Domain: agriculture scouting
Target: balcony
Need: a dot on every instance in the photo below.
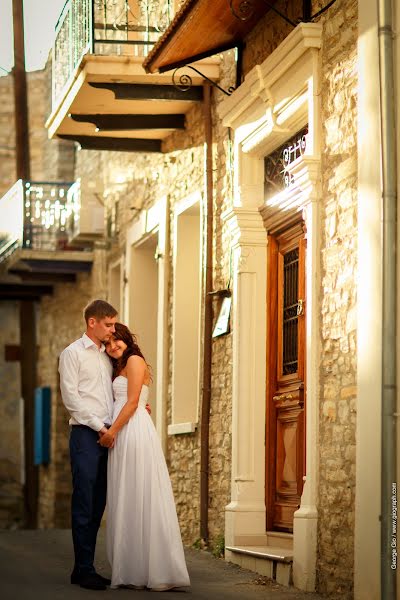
(38, 225)
(102, 97)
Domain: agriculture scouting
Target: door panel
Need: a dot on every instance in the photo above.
(285, 447)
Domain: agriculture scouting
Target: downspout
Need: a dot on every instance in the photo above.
(389, 299)
(208, 316)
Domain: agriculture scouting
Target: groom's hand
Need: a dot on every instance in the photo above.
(107, 440)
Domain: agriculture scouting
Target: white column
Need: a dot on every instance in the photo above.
(245, 515)
(306, 518)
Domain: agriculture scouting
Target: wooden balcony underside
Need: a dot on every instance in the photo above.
(110, 100)
(30, 274)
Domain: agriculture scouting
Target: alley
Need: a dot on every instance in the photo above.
(35, 564)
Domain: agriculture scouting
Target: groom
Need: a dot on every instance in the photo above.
(86, 389)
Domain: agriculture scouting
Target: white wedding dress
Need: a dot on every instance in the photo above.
(144, 545)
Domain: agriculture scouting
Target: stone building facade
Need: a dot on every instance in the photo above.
(292, 78)
(11, 475)
(339, 257)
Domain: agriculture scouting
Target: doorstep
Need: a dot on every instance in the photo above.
(273, 562)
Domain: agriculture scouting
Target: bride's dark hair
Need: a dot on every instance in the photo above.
(132, 348)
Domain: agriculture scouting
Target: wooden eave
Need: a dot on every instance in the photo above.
(12, 291)
(33, 273)
(201, 29)
(111, 103)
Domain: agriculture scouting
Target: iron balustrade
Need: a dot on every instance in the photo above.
(105, 27)
(36, 216)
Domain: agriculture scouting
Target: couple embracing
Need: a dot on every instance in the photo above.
(116, 457)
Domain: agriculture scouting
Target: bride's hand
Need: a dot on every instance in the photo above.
(107, 440)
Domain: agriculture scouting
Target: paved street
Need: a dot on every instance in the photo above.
(36, 565)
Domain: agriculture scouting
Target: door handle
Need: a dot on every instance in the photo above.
(300, 307)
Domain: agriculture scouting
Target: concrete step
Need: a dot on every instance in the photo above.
(273, 562)
(278, 539)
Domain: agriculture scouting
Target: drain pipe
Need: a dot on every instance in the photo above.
(208, 316)
(389, 300)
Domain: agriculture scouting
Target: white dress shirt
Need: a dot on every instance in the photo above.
(86, 386)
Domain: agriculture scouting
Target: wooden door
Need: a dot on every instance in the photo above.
(285, 410)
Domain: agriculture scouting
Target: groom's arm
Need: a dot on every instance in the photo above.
(69, 378)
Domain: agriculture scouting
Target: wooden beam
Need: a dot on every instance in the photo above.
(181, 64)
(44, 267)
(201, 28)
(139, 91)
(133, 122)
(20, 292)
(20, 94)
(89, 142)
(12, 353)
(44, 278)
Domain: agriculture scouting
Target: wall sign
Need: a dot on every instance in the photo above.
(276, 173)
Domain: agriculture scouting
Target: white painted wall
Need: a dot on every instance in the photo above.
(186, 318)
(369, 348)
(143, 306)
(114, 287)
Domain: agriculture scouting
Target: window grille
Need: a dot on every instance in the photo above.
(290, 316)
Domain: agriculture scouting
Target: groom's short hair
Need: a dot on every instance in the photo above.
(99, 309)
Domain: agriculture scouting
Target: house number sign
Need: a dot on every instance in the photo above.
(276, 165)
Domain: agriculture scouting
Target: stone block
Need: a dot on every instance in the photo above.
(248, 562)
(264, 567)
(284, 574)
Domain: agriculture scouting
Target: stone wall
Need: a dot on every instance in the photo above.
(7, 134)
(272, 29)
(50, 160)
(59, 324)
(338, 375)
(11, 443)
(37, 114)
(134, 180)
(44, 157)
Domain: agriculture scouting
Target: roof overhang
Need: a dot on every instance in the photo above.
(201, 29)
(33, 273)
(112, 103)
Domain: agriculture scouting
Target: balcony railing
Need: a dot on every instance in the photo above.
(105, 27)
(36, 216)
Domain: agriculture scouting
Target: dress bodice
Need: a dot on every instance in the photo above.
(120, 389)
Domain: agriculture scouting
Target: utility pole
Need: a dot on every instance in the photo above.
(27, 319)
(20, 94)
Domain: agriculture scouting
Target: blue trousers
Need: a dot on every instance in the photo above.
(89, 483)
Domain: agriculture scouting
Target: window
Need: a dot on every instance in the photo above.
(186, 318)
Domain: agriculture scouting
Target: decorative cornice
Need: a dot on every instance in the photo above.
(257, 90)
(245, 226)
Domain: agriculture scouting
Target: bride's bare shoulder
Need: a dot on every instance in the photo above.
(135, 361)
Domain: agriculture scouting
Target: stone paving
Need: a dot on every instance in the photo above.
(36, 565)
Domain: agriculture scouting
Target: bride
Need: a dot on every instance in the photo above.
(144, 545)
